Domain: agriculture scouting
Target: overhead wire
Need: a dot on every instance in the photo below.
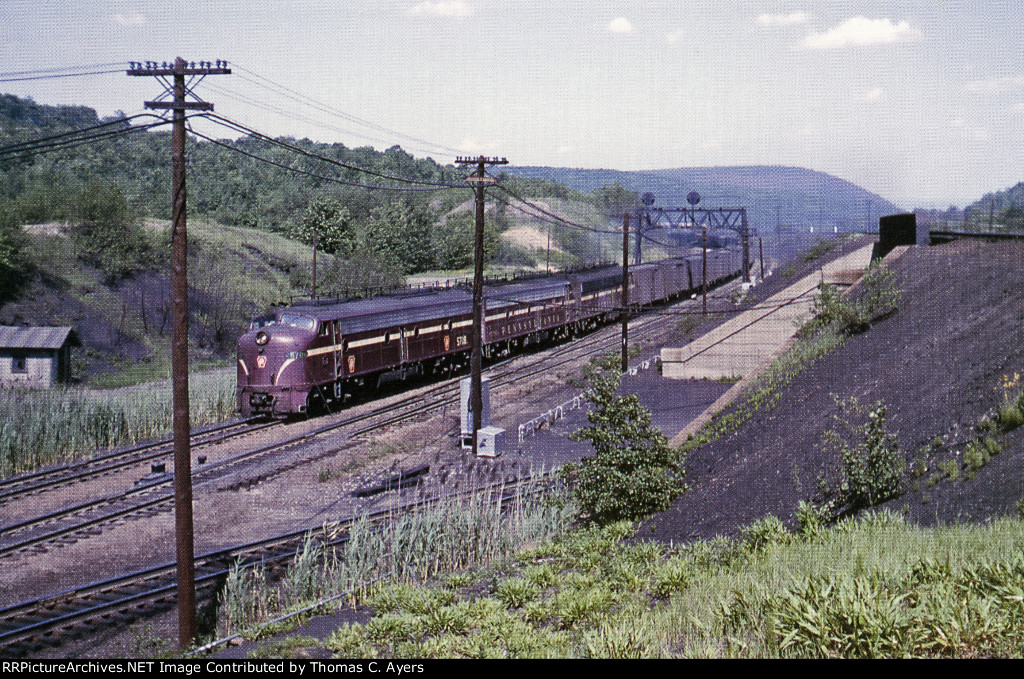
(238, 127)
(554, 219)
(306, 100)
(319, 123)
(48, 73)
(109, 123)
(231, 94)
(30, 149)
(308, 173)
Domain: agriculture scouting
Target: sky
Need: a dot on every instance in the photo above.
(919, 101)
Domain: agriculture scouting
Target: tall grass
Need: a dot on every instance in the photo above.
(40, 428)
(447, 538)
(865, 588)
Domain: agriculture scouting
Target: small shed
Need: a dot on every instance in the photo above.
(33, 356)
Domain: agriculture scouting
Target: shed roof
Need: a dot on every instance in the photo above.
(35, 337)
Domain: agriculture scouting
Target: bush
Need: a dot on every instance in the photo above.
(633, 472)
(878, 296)
(872, 462)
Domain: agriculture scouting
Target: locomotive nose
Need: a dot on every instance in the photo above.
(262, 338)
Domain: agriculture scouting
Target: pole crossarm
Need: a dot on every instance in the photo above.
(179, 70)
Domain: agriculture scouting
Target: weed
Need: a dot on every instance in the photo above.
(765, 532)
(810, 519)
(951, 468)
(1010, 417)
(146, 643)
(516, 592)
(872, 462)
(879, 297)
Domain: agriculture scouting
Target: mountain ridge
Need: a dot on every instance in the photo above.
(777, 197)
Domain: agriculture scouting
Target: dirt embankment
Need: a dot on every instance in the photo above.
(937, 364)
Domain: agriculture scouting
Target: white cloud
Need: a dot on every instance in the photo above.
(134, 19)
(996, 84)
(873, 94)
(454, 8)
(784, 19)
(676, 36)
(861, 31)
(620, 25)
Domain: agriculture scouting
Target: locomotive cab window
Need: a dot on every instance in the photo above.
(298, 321)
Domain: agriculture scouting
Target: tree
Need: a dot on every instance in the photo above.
(107, 232)
(1013, 217)
(328, 224)
(401, 231)
(633, 472)
(615, 198)
(364, 271)
(12, 260)
(452, 242)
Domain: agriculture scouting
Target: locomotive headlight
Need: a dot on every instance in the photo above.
(262, 338)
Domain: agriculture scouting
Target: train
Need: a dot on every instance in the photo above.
(319, 353)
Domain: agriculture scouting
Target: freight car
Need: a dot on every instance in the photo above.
(323, 352)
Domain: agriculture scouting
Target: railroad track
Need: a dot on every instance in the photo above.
(54, 478)
(47, 621)
(154, 494)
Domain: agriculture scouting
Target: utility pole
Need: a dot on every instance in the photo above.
(704, 267)
(179, 343)
(625, 292)
(479, 181)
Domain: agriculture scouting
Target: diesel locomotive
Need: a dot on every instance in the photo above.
(325, 351)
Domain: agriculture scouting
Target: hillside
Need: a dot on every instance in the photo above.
(124, 325)
(778, 199)
(940, 365)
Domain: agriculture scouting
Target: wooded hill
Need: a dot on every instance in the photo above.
(84, 229)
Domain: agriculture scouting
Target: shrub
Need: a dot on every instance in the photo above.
(633, 472)
(764, 532)
(872, 462)
(878, 296)
(1010, 417)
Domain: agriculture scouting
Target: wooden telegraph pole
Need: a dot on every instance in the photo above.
(179, 352)
(479, 181)
(625, 292)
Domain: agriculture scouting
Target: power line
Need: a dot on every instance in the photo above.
(294, 95)
(305, 119)
(307, 173)
(557, 219)
(238, 127)
(63, 75)
(319, 123)
(29, 150)
(119, 121)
